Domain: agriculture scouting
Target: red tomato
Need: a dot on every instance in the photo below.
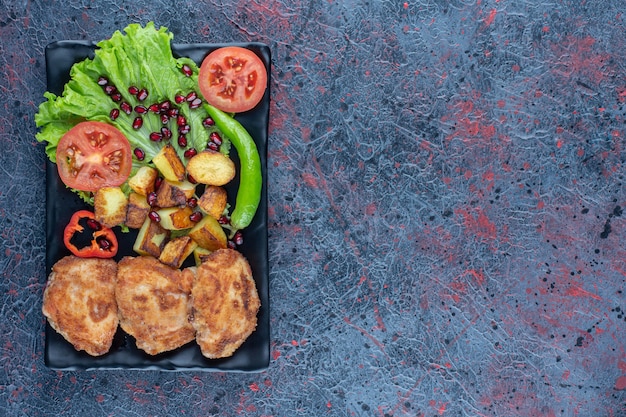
(233, 79)
(92, 155)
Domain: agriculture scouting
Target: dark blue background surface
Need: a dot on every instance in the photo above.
(446, 195)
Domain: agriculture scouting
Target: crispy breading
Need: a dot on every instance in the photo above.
(79, 302)
(225, 303)
(153, 304)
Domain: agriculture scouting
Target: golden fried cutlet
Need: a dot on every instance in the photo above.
(79, 302)
(153, 303)
(225, 303)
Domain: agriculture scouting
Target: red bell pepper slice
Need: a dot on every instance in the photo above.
(103, 242)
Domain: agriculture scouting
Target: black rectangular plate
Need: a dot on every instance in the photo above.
(61, 203)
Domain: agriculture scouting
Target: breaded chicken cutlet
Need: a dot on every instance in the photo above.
(153, 303)
(225, 303)
(79, 302)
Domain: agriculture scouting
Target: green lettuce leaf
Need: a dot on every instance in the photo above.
(140, 57)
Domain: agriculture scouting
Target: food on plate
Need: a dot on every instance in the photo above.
(79, 302)
(85, 237)
(151, 238)
(250, 178)
(92, 155)
(144, 180)
(137, 212)
(211, 167)
(225, 303)
(110, 205)
(153, 304)
(169, 164)
(213, 201)
(177, 250)
(209, 234)
(174, 193)
(233, 79)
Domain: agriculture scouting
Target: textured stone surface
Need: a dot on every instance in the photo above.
(446, 192)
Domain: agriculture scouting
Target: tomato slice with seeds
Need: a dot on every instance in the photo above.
(233, 79)
(92, 155)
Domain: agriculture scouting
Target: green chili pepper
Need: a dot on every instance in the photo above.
(250, 178)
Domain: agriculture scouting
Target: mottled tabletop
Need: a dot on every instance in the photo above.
(445, 202)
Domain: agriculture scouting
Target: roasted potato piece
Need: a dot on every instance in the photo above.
(151, 239)
(177, 250)
(169, 164)
(213, 201)
(110, 206)
(137, 210)
(174, 193)
(208, 233)
(176, 218)
(200, 254)
(212, 168)
(143, 181)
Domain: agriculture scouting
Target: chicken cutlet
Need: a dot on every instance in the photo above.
(79, 302)
(225, 303)
(153, 303)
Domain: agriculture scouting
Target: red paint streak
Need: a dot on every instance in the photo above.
(254, 387)
(366, 334)
(309, 180)
(492, 15)
(478, 224)
(579, 292)
(620, 384)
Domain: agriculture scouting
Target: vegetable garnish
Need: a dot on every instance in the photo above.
(87, 238)
(92, 155)
(250, 182)
(134, 83)
(233, 79)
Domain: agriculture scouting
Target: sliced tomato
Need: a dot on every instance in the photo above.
(93, 155)
(233, 79)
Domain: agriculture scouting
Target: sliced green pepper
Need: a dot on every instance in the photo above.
(250, 178)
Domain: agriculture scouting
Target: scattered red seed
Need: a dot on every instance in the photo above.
(114, 114)
(139, 154)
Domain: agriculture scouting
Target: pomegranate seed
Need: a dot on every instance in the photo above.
(181, 120)
(139, 154)
(109, 89)
(154, 108)
(191, 96)
(167, 134)
(212, 146)
(158, 182)
(137, 123)
(154, 216)
(195, 103)
(142, 94)
(165, 105)
(103, 243)
(93, 224)
(155, 136)
(126, 108)
(179, 98)
(183, 130)
(208, 122)
(141, 109)
(182, 141)
(133, 90)
(192, 202)
(191, 179)
(151, 198)
(164, 118)
(114, 114)
(172, 113)
(186, 69)
(223, 220)
(103, 81)
(216, 138)
(190, 152)
(231, 245)
(116, 97)
(196, 216)
(238, 238)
